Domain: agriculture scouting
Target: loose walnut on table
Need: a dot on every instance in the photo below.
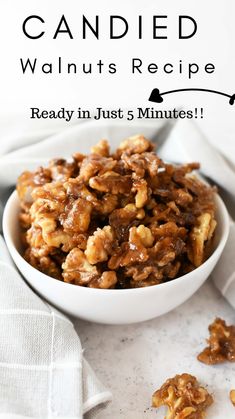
(184, 398)
(221, 344)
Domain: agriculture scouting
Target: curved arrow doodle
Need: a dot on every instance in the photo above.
(156, 96)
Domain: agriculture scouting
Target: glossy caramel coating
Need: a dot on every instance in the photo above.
(117, 220)
(184, 398)
(221, 344)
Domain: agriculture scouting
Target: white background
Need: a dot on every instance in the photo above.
(214, 42)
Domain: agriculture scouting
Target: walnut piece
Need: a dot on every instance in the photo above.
(136, 144)
(61, 170)
(184, 397)
(107, 280)
(101, 148)
(111, 182)
(140, 186)
(78, 216)
(28, 181)
(99, 245)
(141, 164)
(202, 232)
(232, 397)
(77, 269)
(221, 344)
(95, 163)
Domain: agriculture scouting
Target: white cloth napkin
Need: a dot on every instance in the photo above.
(42, 371)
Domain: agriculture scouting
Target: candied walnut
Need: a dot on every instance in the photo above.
(72, 240)
(51, 191)
(42, 176)
(140, 186)
(75, 189)
(77, 216)
(182, 197)
(28, 181)
(221, 344)
(171, 270)
(122, 219)
(106, 204)
(184, 398)
(77, 269)
(136, 144)
(45, 211)
(164, 251)
(111, 182)
(56, 238)
(179, 196)
(47, 222)
(168, 214)
(61, 170)
(44, 214)
(150, 273)
(232, 397)
(44, 264)
(160, 266)
(66, 241)
(139, 213)
(141, 164)
(144, 273)
(101, 148)
(94, 164)
(45, 231)
(107, 280)
(78, 158)
(131, 251)
(169, 229)
(145, 235)
(25, 186)
(180, 172)
(35, 239)
(202, 232)
(100, 245)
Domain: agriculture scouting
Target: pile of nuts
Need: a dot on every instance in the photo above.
(118, 220)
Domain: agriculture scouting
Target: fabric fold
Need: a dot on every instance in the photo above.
(43, 373)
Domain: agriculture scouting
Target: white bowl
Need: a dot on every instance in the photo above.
(113, 306)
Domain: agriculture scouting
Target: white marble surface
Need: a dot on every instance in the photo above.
(134, 360)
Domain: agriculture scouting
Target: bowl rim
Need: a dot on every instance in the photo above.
(12, 249)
